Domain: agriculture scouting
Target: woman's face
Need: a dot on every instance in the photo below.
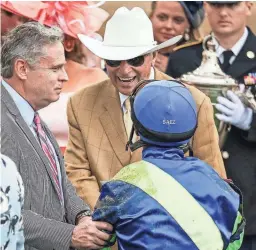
(169, 20)
(80, 54)
(89, 59)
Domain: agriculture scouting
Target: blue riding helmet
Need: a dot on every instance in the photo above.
(164, 114)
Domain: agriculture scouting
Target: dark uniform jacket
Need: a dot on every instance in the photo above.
(240, 145)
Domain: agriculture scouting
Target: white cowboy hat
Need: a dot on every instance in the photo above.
(128, 34)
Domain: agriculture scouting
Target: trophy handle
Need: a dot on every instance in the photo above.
(223, 130)
(205, 42)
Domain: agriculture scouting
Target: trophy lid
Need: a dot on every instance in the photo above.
(209, 72)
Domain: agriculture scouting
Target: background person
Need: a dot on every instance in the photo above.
(171, 19)
(82, 66)
(33, 75)
(98, 115)
(11, 204)
(148, 201)
(9, 21)
(237, 56)
(228, 24)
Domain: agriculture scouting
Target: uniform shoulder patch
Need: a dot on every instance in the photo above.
(185, 45)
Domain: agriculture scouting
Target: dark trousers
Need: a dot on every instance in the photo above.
(249, 243)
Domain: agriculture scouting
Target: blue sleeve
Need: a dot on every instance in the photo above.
(108, 205)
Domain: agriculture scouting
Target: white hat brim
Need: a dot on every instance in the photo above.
(122, 53)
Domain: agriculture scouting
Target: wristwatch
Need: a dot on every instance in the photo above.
(82, 214)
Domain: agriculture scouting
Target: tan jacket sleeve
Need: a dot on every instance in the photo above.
(205, 141)
(77, 164)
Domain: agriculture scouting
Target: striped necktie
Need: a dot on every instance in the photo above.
(128, 120)
(48, 152)
(127, 117)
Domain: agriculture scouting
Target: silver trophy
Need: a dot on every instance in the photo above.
(211, 80)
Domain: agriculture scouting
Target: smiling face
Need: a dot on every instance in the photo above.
(125, 77)
(45, 80)
(169, 20)
(228, 19)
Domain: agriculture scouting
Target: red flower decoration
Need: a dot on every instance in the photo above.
(73, 17)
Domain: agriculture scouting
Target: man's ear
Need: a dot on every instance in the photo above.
(69, 44)
(206, 6)
(21, 69)
(154, 54)
(249, 6)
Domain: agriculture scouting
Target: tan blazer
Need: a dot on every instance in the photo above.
(97, 137)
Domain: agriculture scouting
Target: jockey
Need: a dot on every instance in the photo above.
(167, 200)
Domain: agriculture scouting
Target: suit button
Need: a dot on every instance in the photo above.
(225, 155)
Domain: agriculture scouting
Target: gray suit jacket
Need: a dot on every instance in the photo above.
(47, 223)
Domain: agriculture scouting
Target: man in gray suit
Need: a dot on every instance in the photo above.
(33, 75)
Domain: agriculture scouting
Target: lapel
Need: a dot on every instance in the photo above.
(161, 76)
(11, 106)
(60, 158)
(55, 145)
(199, 56)
(113, 124)
(243, 63)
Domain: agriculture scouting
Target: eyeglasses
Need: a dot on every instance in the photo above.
(135, 62)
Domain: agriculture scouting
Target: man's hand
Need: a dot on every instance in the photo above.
(89, 234)
(233, 111)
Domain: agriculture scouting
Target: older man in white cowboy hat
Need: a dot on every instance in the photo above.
(99, 115)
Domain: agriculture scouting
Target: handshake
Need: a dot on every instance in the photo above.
(90, 234)
(233, 111)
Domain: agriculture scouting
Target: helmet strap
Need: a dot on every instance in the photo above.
(140, 143)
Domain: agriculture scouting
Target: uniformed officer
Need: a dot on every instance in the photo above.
(173, 18)
(237, 37)
(236, 50)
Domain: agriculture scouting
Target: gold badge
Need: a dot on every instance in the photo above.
(250, 54)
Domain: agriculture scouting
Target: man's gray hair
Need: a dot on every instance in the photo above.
(27, 42)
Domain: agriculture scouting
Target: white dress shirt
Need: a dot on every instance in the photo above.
(235, 49)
